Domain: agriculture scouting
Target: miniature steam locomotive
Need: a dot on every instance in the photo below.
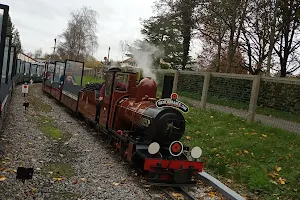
(146, 131)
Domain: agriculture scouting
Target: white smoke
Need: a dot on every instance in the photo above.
(144, 56)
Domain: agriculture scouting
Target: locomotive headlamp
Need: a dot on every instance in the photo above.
(176, 148)
(196, 152)
(153, 148)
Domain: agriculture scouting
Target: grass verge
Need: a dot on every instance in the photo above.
(262, 159)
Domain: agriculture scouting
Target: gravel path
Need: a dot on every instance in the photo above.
(70, 161)
(271, 121)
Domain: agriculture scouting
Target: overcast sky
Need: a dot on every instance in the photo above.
(40, 21)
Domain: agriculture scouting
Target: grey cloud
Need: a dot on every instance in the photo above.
(40, 21)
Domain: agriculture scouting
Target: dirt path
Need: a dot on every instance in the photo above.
(271, 121)
(69, 160)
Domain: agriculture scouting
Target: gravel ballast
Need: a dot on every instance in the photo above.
(70, 161)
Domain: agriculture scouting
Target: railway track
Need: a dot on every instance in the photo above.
(177, 193)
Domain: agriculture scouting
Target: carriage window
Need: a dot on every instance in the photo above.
(121, 82)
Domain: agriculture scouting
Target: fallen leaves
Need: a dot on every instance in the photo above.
(2, 178)
(281, 181)
(212, 194)
(176, 194)
(274, 176)
(58, 179)
(188, 137)
(278, 168)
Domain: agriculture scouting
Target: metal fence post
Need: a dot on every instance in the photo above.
(254, 98)
(205, 90)
(175, 81)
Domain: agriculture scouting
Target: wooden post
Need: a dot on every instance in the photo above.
(254, 98)
(175, 82)
(205, 90)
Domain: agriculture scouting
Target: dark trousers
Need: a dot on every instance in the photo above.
(98, 109)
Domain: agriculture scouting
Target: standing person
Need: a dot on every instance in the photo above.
(99, 104)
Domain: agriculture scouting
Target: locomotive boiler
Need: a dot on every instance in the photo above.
(154, 124)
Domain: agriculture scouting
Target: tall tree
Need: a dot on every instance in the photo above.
(164, 32)
(289, 29)
(211, 29)
(183, 12)
(10, 26)
(79, 40)
(186, 10)
(17, 41)
(255, 39)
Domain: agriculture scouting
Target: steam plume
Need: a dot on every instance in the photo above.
(144, 56)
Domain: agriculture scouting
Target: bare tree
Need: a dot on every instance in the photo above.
(211, 29)
(288, 43)
(38, 53)
(79, 40)
(124, 48)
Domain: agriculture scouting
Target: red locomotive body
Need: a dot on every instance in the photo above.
(145, 132)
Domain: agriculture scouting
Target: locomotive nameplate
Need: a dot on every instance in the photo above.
(172, 102)
(145, 122)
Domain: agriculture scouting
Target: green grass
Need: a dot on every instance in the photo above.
(244, 106)
(48, 126)
(246, 153)
(59, 170)
(88, 79)
(37, 104)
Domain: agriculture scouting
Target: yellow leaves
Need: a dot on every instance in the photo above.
(121, 182)
(188, 137)
(58, 179)
(33, 190)
(83, 179)
(176, 195)
(239, 153)
(263, 136)
(229, 181)
(2, 178)
(281, 181)
(241, 129)
(278, 168)
(273, 174)
(243, 152)
(212, 194)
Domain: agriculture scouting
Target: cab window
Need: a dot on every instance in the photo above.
(121, 82)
